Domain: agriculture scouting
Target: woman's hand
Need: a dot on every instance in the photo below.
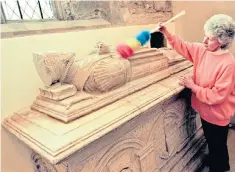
(187, 81)
(162, 28)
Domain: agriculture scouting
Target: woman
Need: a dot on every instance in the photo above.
(212, 84)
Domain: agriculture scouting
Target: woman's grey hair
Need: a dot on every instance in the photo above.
(222, 27)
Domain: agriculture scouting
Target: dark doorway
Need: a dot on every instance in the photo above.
(157, 40)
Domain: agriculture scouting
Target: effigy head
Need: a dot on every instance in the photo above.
(53, 67)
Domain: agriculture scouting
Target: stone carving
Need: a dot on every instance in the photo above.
(102, 71)
(123, 156)
(41, 165)
(130, 135)
(130, 153)
(139, 150)
(121, 115)
(100, 78)
(173, 122)
(132, 119)
(179, 123)
(86, 166)
(101, 48)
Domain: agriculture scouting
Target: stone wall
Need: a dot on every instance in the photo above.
(116, 12)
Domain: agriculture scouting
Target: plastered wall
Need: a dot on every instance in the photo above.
(190, 26)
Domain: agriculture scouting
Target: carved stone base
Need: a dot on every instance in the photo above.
(163, 138)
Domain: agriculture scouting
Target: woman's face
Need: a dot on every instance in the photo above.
(211, 43)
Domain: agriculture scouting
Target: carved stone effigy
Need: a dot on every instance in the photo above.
(91, 76)
(134, 121)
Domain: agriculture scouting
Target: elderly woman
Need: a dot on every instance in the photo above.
(212, 84)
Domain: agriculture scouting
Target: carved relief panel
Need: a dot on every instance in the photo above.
(159, 134)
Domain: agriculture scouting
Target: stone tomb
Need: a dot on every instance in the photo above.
(102, 113)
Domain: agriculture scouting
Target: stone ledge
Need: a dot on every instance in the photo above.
(10, 30)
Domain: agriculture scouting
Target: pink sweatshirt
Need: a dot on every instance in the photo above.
(214, 75)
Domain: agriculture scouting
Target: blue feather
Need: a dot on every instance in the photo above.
(143, 37)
